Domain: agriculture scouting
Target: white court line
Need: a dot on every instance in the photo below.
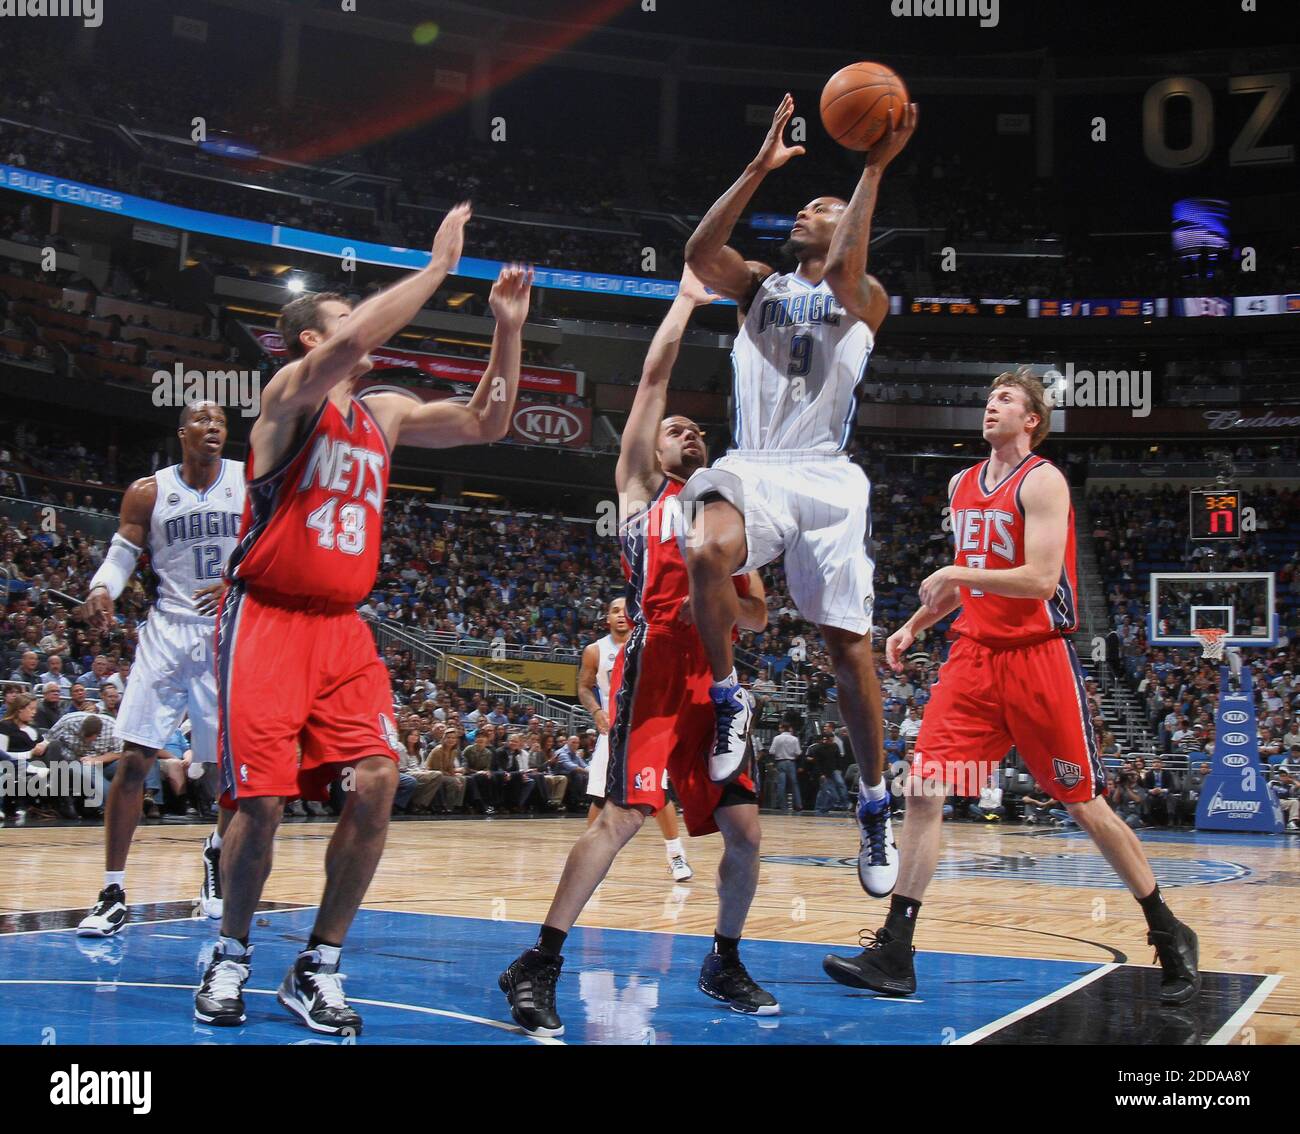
(1029, 1009)
(1248, 1009)
(137, 924)
(549, 1040)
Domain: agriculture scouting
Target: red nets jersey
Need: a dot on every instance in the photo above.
(657, 583)
(312, 525)
(988, 526)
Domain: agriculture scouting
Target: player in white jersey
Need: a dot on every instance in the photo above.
(188, 517)
(593, 692)
(787, 487)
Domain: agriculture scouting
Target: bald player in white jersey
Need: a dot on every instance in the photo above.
(593, 692)
(787, 487)
(187, 516)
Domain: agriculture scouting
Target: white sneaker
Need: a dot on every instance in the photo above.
(109, 915)
(733, 707)
(680, 869)
(877, 851)
(210, 902)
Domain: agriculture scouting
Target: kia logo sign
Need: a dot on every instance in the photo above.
(1236, 760)
(547, 425)
(1235, 716)
(1236, 739)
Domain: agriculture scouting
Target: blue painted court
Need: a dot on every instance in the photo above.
(421, 979)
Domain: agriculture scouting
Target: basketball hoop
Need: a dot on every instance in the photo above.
(1211, 643)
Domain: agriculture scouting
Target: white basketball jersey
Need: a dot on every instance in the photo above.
(608, 649)
(192, 534)
(796, 365)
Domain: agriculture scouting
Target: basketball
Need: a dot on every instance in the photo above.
(859, 101)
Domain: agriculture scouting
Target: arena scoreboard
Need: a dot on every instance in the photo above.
(1216, 514)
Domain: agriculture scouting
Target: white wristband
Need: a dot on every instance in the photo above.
(117, 567)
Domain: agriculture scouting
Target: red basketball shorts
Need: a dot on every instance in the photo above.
(300, 691)
(663, 720)
(985, 700)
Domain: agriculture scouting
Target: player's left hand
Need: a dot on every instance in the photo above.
(691, 288)
(510, 295)
(939, 590)
(206, 598)
(894, 138)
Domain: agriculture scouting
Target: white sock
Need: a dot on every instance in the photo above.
(673, 848)
(872, 792)
(114, 878)
(232, 947)
(329, 954)
(214, 840)
(728, 681)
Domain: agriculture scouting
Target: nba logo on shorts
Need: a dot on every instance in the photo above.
(1067, 774)
(243, 773)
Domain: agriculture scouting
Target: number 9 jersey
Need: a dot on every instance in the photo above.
(313, 524)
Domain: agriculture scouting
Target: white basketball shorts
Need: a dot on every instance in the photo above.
(815, 509)
(174, 672)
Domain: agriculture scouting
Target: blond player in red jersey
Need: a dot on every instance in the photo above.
(302, 695)
(1011, 678)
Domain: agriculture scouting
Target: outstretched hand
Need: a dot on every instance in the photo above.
(510, 295)
(449, 240)
(894, 138)
(774, 152)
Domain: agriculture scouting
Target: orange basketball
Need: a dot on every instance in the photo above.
(859, 101)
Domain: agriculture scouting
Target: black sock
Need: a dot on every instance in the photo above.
(902, 917)
(726, 946)
(550, 941)
(315, 942)
(1159, 916)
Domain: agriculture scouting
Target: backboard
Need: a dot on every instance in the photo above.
(1242, 603)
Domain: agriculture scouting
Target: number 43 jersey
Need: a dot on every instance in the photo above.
(192, 534)
(312, 525)
(796, 365)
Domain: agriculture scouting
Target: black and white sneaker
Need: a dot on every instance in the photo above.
(727, 979)
(313, 991)
(109, 915)
(680, 869)
(885, 965)
(210, 903)
(1179, 956)
(877, 851)
(220, 998)
(733, 710)
(529, 984)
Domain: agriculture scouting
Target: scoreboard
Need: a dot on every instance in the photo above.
(1216, 514)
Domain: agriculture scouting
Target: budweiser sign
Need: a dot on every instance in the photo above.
(1234, 419)
(448, 367)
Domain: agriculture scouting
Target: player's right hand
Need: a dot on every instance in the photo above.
(894, 138)
(900, 640)
(449, 240)
(774, 153)
(693, 289)
(97, 610)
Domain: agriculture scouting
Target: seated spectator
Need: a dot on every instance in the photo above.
(56, 675)
(480, 788)
(22, 754)
(28, 671)
(1128, 800)
(444, 758)
(1159, 784)
(51, 707)
(568, 761)
(990, 806)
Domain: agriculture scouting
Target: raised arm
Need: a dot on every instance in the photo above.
(123, 552)
(486, 418)
(638, 467)
(859, 294)
(708, 254)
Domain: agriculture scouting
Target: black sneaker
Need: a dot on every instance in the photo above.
(529, 984)
(884, 966)
(726, 979)
(1178, 953)
(313, 991)
(210, 903)
(109, 915)
(220, 998)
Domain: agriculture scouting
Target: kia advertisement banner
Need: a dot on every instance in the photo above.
(533, 422)
(1235, 796)
(448, 367)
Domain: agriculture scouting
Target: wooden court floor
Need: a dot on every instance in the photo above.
(1003, 890)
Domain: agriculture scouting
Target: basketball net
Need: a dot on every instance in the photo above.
(1211, 643)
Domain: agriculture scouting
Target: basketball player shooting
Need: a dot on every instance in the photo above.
(593, 692)
(663, 719)
(188, 517)
(1011, 678)
(297, 668)
(788, 487)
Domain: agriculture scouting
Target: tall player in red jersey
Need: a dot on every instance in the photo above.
(1011, 678)
(662, 715)
(302, 695)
